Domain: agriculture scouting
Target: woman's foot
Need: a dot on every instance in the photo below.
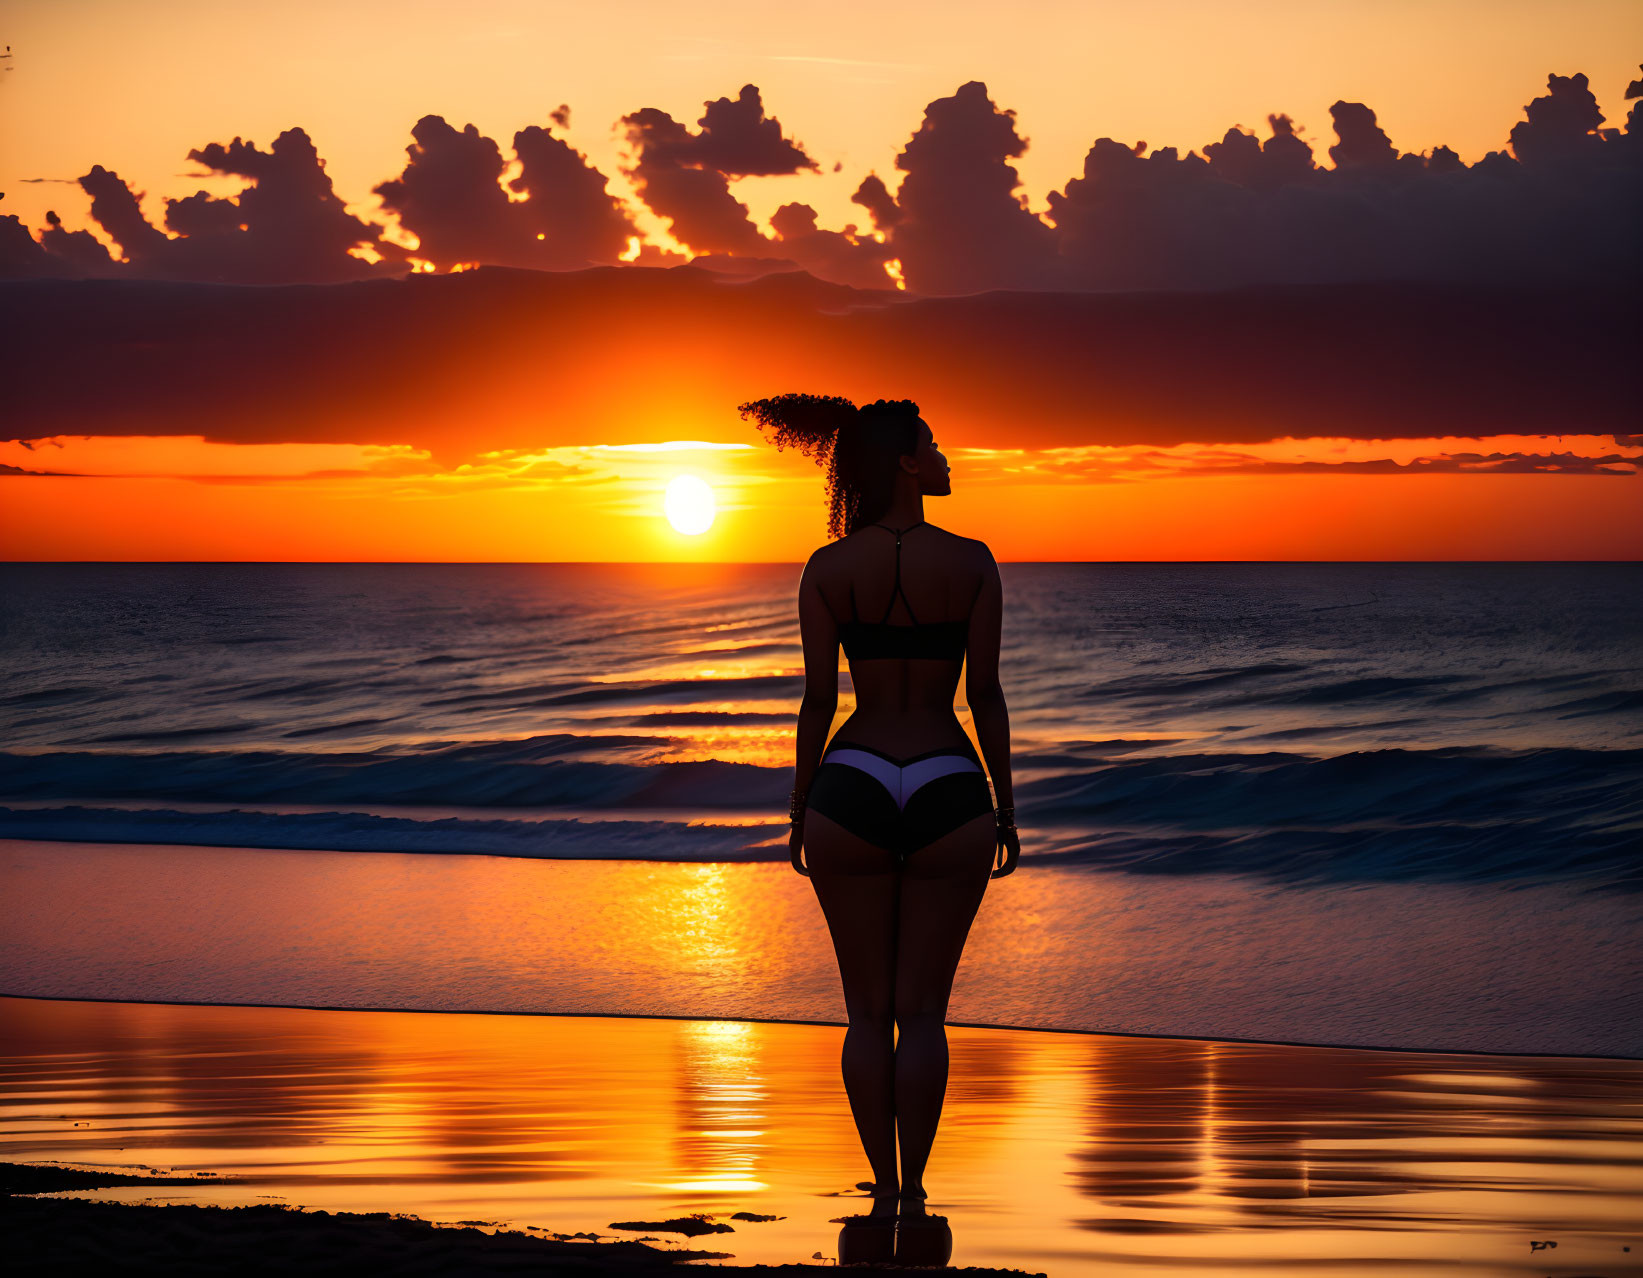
(911, 1200)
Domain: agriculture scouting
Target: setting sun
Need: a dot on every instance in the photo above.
(689, 505)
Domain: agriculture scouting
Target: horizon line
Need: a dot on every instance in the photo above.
(746, 563)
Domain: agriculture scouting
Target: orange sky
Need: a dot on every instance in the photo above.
(495, 472)
(172, 499)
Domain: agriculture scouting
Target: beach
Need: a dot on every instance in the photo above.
(460, 893)
(508, 612)
(1070, 1154)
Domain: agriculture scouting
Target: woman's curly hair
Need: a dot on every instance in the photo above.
(857, 448)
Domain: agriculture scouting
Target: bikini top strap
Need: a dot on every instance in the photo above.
(897, 590)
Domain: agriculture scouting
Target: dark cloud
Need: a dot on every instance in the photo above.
(1079, 469)
(1564, 463)
(684, 177)
(696, 203)
(55, 474)
(1362, 144)
(450, 195)
(501, 358)
(1558, 204)
(737, 140)
(81, 250)
(744, 266)
(844, 257)
(1563, 123)
(1244, 160)
(1565, 207)
(875, 197)
(959, 225)
(287, 226)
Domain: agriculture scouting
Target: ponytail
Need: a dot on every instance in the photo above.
(857, 448)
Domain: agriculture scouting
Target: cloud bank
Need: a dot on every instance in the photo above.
(1558, 204)
(501, 358)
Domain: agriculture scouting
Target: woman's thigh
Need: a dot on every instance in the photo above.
(856, 884)
(942, 886)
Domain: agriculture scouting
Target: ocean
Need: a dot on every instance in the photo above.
(1458, 744)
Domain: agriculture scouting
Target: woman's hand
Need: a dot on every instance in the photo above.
(795, 846)
(1010, 840)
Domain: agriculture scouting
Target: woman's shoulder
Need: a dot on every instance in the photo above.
(824, 562)
(973, 547)
(838, 556)
(824, 554)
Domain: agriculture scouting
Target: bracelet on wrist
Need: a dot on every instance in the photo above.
(1006, 817)
(795, 805)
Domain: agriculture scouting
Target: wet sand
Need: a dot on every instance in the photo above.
(1429, 966)
(1064, 1154)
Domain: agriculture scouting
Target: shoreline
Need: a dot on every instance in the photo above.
(779, 1020)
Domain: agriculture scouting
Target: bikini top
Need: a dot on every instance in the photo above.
(863, 640)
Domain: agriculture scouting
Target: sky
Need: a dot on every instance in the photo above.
(1359, 344)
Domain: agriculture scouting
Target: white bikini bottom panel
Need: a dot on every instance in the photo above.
(902, 783)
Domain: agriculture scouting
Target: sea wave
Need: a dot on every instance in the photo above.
(531, 773)
(1396, 814)
(568, 839)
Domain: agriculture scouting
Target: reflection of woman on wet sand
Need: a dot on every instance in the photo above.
(894, 823)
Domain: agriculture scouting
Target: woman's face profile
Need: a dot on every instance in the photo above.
(934, 475)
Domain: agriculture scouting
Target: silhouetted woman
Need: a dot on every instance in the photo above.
(894, 824)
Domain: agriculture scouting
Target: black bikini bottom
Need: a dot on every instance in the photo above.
(899, 804)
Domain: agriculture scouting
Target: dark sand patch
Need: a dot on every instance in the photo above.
(24, 1178)
(699, 1223)
(68, 1235)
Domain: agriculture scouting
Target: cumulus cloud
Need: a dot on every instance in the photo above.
(79, 252)
(959, 223)
(1564, 206)
(451, 197)
(844, 257)
(1558, 204)
(684, 177)
(875, 197)
(287, 226)
(1362, 144)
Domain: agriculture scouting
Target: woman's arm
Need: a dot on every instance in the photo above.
(819, 634)
(985, 696)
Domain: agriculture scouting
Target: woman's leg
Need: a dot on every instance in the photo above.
(856, 885)
(942, 885)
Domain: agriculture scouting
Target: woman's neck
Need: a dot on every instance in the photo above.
(905, 509)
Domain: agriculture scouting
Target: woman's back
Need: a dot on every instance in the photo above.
(902, 601)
